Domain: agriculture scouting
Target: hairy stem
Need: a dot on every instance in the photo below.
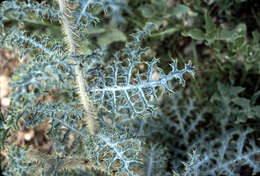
(71, 39)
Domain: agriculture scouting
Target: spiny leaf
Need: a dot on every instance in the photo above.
(124, 90)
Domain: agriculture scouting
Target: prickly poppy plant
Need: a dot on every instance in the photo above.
(111, 113)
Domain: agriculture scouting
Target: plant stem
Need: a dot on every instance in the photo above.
(68, 27)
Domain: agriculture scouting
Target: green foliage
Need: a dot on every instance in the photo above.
(226, 101)
(235, 37)
(3, 129)
(19, 163)
(208, 146)
(106, 65)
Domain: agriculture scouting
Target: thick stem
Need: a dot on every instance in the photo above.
(67, 22)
